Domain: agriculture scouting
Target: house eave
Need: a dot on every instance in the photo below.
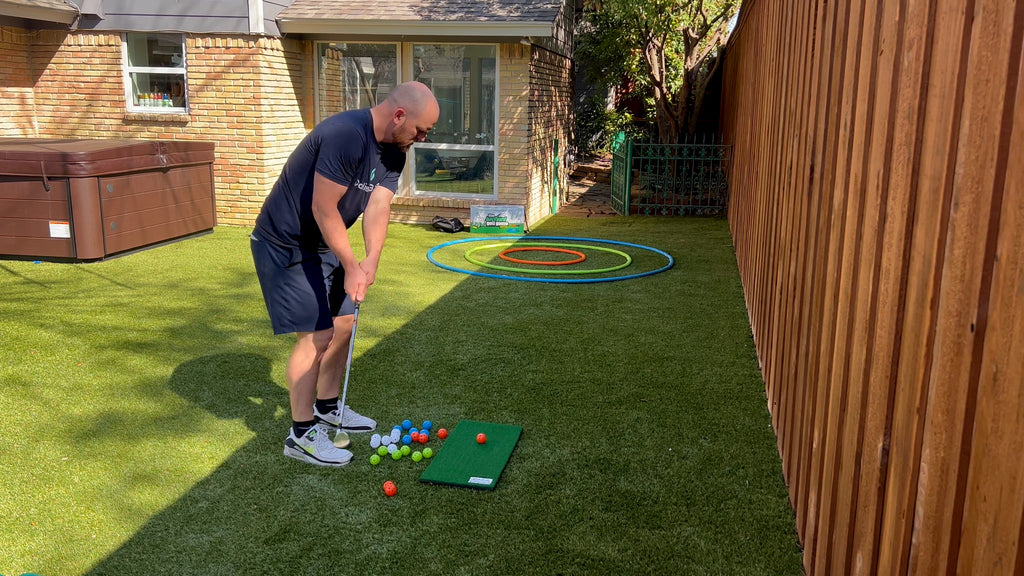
(491, 31)
(41, 13)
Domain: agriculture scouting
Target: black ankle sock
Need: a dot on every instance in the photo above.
(325, 405)
(300, 428)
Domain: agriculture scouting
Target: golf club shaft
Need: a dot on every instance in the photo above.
(348, 367)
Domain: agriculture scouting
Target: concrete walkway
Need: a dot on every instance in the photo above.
(589, 194)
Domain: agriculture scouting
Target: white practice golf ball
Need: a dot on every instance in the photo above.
(392, 448)
(375, 441)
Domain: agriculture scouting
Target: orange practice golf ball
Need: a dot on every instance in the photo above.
(390, 489)
(481, 438)
(442, 433)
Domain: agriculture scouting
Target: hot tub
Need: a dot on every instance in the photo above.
(89, 199)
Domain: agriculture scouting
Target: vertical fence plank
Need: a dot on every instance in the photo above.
(810, 174)
(835, 205)
(872, 343)
(820, 173)
(906, 106)
(942, 96)
(796, 346)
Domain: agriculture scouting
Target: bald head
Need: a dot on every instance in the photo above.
(406, 115)
(414, 97)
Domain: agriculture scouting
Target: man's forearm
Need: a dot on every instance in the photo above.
(375, 224)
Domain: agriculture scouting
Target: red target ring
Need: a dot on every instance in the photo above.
(580, 256)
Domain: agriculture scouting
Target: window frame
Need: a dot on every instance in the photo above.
(128, 70)
(407, 184)
(317, 104)
(410, 170)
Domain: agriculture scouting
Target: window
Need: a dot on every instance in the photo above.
(155, 72)
(353, 76)
(458, 158)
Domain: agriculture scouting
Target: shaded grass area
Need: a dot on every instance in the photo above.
(145, 413)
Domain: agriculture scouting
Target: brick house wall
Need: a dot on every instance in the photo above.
(17, 96)
(551, 123)
(253, 97)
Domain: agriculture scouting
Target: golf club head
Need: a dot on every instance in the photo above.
(341, 439)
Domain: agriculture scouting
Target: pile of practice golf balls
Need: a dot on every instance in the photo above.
(404, 440)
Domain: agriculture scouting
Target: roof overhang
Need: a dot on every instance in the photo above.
(45, 11)
(412, 30)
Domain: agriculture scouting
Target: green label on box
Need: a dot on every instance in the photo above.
(494, 219)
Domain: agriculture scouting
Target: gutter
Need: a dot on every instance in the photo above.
(62, 15)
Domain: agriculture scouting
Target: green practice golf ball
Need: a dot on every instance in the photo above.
(428, 452)
(383, 450)
(375, 459)
(406, 450)
(396, 455)
(417, 456)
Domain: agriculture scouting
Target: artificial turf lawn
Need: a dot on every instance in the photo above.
(144, 415)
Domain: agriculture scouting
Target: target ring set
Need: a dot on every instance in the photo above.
(557, 271)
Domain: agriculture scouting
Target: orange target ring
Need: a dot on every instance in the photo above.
(580, 256)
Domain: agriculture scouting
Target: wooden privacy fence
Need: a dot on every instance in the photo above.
(877, 211)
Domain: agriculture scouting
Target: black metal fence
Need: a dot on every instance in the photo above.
(688, 178)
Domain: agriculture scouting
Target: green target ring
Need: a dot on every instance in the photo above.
(627, 259)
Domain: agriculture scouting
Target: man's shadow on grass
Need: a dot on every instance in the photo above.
(257, 509)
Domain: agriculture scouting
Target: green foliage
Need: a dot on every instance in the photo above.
(596, 125)
(665, 48)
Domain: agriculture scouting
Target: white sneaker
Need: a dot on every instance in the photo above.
(315, 447)
(353, 422)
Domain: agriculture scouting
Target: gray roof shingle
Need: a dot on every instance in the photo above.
(425, 10)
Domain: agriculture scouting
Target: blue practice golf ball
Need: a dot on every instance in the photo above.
(406, 424)
(407, 439)
(427, 424)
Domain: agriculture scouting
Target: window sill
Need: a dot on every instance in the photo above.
(433, 201)
(170, 117)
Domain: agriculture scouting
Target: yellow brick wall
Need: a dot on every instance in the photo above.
(550, 119)
(16, 88)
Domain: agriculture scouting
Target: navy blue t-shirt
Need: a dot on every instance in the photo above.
(344, 150)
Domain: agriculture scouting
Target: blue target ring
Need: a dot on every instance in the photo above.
(430, 257)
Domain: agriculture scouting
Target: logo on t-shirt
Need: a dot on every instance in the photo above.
(366, 187)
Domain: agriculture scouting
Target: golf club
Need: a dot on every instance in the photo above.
(341, 439)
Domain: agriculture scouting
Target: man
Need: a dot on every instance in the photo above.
(347, 166)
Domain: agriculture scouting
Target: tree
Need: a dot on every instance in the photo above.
(669, 48)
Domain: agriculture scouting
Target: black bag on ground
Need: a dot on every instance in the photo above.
(450, 225)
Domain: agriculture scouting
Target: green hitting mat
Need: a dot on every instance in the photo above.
(462, 461)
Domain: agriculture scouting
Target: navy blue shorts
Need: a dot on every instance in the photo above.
(303, 290)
